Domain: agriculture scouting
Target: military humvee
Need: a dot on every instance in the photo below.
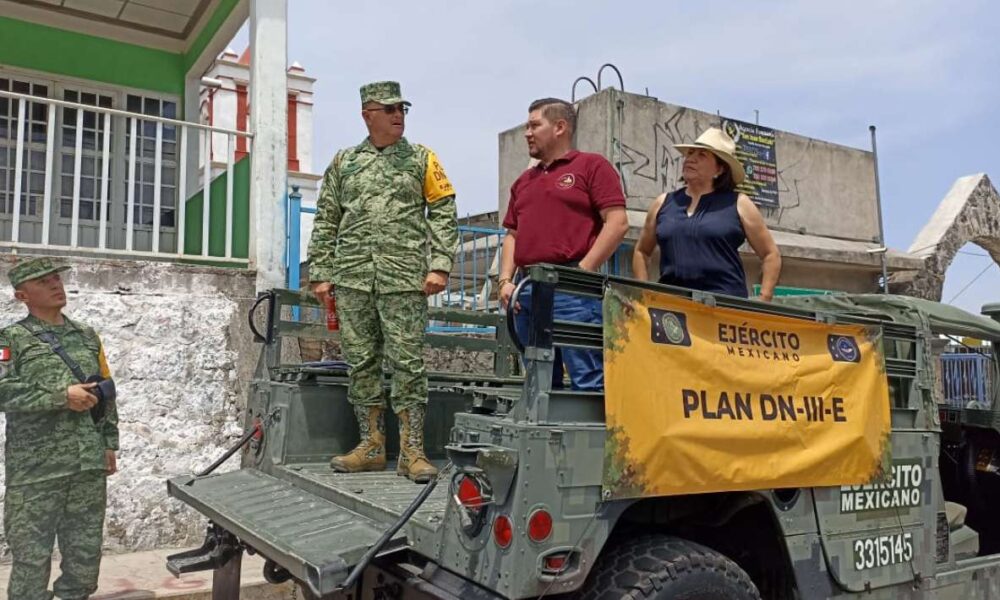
(519, 512)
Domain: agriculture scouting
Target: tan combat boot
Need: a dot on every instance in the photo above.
(369, 455)
(412, 461)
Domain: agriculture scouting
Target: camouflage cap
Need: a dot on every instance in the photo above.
(383, 92)
(33, 269)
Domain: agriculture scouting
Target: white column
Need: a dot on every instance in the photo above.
(180, 208)
(269, 125)
(22, 116)
(191, 152)
(130, 215)
(50, 147)
(77, 165)
(157, 182)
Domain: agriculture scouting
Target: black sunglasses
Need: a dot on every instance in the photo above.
(390, 109)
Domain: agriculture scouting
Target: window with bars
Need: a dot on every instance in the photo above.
(33, 147)
(76, 167)
(91, 154)
(145, 158)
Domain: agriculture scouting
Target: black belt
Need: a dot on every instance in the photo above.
(573, 264)
(520, 274)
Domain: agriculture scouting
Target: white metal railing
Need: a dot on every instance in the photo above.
(124, 153)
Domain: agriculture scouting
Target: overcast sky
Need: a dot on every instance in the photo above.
(927, 74)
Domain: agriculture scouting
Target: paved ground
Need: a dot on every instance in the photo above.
(142, 576)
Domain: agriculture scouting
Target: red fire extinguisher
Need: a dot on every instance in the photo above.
(332, 322)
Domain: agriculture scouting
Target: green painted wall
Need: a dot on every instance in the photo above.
(201, 41)
(51, 50)
(217, 216)
(42, 48)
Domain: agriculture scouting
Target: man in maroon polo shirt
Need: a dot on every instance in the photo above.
(568, 209)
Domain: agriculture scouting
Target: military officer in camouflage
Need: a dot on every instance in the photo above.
(384, 238)
(57, 456)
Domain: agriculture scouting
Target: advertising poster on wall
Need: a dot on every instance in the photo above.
(755, 148)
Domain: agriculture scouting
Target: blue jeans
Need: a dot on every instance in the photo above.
(586, 367)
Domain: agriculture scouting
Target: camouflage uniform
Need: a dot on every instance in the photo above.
(373, 223)
(385, 217)
(55, 457)
(394, 322)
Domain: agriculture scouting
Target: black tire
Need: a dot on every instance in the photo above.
(273, 573)
(662, 567)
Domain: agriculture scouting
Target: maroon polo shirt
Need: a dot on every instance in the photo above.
(556, 210)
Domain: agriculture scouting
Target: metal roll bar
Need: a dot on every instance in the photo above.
(621, 82)
(511, 322)
(578, 80)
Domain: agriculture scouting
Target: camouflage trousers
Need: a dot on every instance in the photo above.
(68, 508)
(374, 326)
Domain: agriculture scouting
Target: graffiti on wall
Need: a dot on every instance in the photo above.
(655, 160)
(660, 164)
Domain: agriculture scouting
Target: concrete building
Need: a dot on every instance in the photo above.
(824, 217)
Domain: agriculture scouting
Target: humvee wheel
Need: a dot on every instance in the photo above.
(662, 567)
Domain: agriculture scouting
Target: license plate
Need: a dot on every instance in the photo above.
(882, 551)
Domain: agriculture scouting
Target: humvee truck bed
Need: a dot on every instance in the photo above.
(519, 512)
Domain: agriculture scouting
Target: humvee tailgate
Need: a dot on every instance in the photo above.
(316, 540)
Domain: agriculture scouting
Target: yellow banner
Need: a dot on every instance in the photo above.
(703, 399)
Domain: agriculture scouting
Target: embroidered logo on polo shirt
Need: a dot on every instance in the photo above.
(566, 181)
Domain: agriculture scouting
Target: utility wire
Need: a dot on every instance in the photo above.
(968, 285)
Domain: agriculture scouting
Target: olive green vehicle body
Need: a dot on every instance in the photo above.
(543, 449)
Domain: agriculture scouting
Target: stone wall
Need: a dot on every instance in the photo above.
(970, 212)
(181, 355)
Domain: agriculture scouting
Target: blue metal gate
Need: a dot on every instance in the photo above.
(967, 378)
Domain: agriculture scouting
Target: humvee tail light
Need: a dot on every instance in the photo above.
(472, 495)
(469, 494)
(555, 563)
(503, 531)
(539, 525)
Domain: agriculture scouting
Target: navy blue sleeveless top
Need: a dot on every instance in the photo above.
(701, 252)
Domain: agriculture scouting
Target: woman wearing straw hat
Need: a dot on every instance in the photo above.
(700, 227)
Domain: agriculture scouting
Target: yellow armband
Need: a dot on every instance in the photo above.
(436, 184)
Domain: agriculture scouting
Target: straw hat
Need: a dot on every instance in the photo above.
(720, 144)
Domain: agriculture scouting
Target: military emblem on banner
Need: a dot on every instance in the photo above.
(669, 327)
(843, 348)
